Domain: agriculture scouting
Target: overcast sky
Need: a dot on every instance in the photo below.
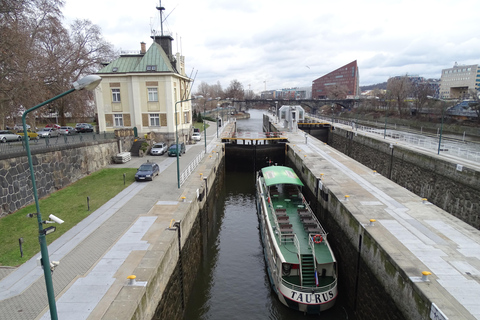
(275, 44)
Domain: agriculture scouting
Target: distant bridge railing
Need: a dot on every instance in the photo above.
(55, 142)
(463, 149)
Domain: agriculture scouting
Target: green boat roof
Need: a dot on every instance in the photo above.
(280, 175)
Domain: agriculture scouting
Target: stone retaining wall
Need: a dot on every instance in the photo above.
(455, 190)
(54, 169)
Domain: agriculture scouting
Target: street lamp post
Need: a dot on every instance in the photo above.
(441, 125)
(176, 137)
(333, 113)
(89, 82)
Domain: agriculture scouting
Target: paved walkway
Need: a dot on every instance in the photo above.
(418, 236)
(97, 255)
(97, 252)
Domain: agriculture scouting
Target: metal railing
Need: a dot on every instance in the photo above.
(296, 287)
(462, 149)
(191, 167)
(48, 143)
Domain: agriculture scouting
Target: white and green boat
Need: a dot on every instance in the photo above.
(300, 262)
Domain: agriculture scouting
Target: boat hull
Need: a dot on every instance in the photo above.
(306, 299)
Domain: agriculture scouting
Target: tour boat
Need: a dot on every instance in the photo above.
(300, 263)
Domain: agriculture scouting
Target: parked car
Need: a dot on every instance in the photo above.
(147, 171)
(196, 136)
(6, 135)
(53, 125)
(18, 127)
(47, 133)
(172, 151)
(66, 130)
(84, 127)
(158, 149)
(30, 133)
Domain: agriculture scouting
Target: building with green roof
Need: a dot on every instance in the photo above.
(140, 90)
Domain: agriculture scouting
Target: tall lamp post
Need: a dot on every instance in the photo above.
(176, 137)
(441, 124)
(89, 82)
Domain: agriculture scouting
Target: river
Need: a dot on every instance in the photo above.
(232, 282)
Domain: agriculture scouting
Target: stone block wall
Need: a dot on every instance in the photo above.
(54, 169)
(425, 174)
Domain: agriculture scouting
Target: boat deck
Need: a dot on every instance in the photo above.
(284, 204)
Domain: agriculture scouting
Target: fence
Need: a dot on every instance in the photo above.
(468, 150)
(49, 143)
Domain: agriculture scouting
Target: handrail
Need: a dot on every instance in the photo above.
(191, 167)
(309, 289)
(429, 142)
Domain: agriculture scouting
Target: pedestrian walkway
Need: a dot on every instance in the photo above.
(417, 235)
(98, 254)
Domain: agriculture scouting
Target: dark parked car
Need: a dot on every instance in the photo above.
(84, 127)
(147, 171)
(172, 151)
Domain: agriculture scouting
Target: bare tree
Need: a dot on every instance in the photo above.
(39, 58)
(71, 55)
(421, 93)
(398, 89)
(235, 90)
(336, 92)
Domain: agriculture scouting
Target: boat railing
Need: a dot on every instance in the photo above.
(296, 287)
(323, 233)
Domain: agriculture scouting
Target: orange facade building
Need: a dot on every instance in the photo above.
(339, 84)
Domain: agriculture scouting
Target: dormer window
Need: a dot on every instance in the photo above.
(115, 69)
(151, 68)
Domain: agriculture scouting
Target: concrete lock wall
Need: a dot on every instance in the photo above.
(170, 275)
(454, 189)
(54, 169)
(374, 286)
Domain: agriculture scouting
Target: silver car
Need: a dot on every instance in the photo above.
(6, 135)
(158, 149)
(67, 130)
(47, 133)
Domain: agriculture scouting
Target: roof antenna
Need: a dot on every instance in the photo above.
(160, 8)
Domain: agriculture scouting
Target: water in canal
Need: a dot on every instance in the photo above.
(232, 282)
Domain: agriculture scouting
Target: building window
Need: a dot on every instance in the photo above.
(154, 119)
(118, 120)
(185, 117)
(115, 95)
(151, 68)
(152, 94)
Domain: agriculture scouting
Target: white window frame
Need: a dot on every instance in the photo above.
(118, 120)
(116, 95)
(152, 94)
(154, 119)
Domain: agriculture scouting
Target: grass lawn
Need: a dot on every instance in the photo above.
(199, 125)
(69, 204)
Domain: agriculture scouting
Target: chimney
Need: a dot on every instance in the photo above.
(166, 43)
(143, 48)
